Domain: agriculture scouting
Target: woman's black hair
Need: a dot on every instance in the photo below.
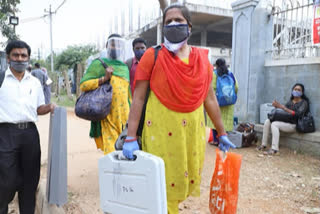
(114, 35)
(303, 95)
(221, 67)
(184, 10)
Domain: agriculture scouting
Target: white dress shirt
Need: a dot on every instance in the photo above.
(19, 100)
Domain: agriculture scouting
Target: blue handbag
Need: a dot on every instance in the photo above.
(95, 105)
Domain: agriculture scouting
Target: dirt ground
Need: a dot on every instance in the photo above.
(284, 184)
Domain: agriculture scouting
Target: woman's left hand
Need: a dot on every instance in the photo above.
(130, 145)
(225, 144)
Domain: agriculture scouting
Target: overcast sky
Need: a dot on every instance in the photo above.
(77, 22)
(81, 22)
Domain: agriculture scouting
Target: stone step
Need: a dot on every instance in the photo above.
(308, 143)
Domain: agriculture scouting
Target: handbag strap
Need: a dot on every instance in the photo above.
(142, 117)
(2, 74)
(103, 63)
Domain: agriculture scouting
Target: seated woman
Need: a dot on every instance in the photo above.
(297, 107)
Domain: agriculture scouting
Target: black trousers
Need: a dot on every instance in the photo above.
(19, 166)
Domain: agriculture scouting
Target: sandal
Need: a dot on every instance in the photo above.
(271, 152)
(261, 148)
(214, 143)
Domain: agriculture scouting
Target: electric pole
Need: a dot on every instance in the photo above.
(50, 19)
(51, 43)
(51, 46)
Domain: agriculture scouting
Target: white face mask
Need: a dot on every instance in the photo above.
(174, 47)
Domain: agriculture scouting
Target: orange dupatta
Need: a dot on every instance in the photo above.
(179, 86)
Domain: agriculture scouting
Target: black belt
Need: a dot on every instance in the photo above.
(25, 125)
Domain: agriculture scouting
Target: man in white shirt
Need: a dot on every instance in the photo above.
(21, 101)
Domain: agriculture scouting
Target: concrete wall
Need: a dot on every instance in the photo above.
(252, 34)
(279, 79)
(301, 143)
(262, 80)
(241, 41)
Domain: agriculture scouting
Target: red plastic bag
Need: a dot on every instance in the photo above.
(224, 184)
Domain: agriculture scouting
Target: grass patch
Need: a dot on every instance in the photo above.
(63, 100)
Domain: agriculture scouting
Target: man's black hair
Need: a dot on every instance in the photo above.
(37, 65)
(17, 44)
(139, 40)
(29, 68)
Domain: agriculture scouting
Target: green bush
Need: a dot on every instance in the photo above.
(63, 100)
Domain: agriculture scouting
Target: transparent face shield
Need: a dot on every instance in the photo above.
(116, 49)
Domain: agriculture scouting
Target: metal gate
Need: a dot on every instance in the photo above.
(292, 31)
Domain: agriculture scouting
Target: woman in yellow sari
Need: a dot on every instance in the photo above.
(106, 131)
(174, 127)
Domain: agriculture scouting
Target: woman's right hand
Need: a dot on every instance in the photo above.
(107, 76)
(109, 71)
(277, 104)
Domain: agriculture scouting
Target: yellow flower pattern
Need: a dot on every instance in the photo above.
(112, 125)
(179, 139)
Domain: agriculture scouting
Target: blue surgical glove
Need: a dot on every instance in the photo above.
(130, 145)
(225, 143)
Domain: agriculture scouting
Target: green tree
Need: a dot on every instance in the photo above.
(48, 60)
(69, 58)
(74, 55)
(42, 62)
(8, 8)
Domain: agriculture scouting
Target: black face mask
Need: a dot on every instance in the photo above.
(138, 54)
(19, 66)
(114, 53)
(176, 33)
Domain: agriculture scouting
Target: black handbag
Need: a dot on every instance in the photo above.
(279, 114)
(95, 105)
(305, 124)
